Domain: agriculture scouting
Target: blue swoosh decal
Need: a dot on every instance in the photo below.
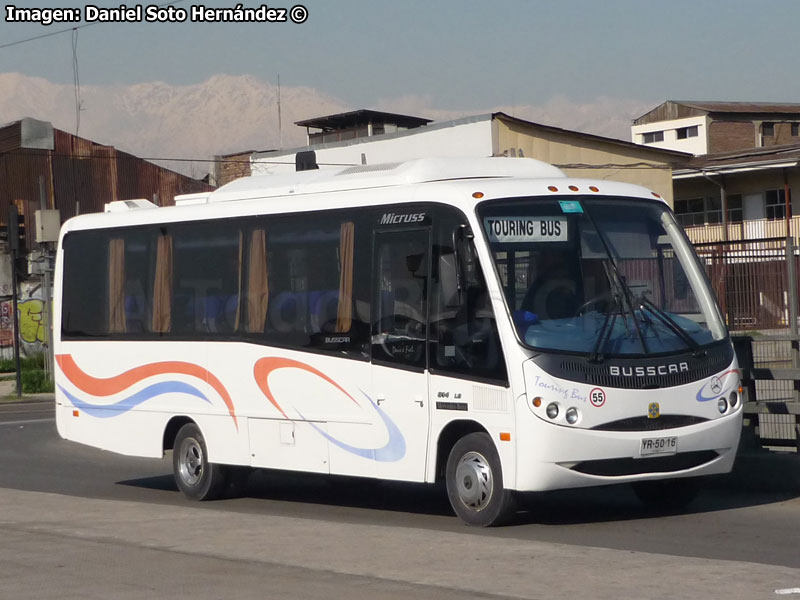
(112, 410)
(701, 398)
(395, 447)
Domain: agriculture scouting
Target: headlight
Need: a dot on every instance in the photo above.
(552, 410)
(572, 415)
(733, 399)
(722, 405)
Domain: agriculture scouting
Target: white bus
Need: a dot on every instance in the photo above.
(488, 323)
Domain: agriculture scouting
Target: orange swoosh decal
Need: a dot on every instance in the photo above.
(113, 385)
(265, 366)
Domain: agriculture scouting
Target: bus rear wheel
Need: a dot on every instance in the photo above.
(197, 478)
(474, 481)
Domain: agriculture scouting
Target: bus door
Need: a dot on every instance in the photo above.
(401, 272)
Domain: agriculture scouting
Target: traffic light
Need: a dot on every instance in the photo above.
(16, 227)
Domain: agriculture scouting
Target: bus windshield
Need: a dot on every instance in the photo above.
(600, 276)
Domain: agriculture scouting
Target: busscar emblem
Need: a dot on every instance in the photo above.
(653, 410)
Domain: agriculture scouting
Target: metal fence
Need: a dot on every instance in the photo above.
(757, 290)
(750, 279)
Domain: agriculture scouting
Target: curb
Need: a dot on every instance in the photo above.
(26, 398)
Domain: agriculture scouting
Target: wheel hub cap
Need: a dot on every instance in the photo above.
(191, 462)
(474, 481)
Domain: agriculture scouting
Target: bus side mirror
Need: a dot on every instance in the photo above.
(452, 268)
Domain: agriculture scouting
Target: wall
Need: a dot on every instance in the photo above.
(32, 326)
(740, 183)
(782, 134)
(231, 167)
(725, 136)
(562, 147)
(693, 145)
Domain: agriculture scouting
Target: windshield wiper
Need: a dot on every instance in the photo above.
(664, 317)
(617, 281)
(605, 332)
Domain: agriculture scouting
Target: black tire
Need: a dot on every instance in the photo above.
(474, 481)
(197, 478)
(667, 493)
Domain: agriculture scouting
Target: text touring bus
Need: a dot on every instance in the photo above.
(485, 322)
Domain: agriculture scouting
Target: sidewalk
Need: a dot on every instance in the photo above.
(62, 547)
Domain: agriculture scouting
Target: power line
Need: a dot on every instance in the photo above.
(60, 31)
(127, 156)
(122, 155)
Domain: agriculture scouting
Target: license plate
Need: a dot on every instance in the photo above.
(661, 445)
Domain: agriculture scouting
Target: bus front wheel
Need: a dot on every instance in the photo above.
(197, 478)
(475, 482)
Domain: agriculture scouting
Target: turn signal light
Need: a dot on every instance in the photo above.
(75, 413)
(537, 402)
(505, 437)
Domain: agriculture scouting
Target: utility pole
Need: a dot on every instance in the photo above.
(13, 244)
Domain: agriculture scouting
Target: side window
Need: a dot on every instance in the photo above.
(208, 279)
(401, 297)
(85, 285)
(304, 288)
(463, 338)
(107, 285)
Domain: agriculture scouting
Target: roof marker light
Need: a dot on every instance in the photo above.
(552, 188)
(656, 195)
(573, 188)
(477, 195)
(594, 189)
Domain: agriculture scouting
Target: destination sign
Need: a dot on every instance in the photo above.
(509, 230)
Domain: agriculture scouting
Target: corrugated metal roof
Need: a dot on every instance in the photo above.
(767, 154)
(10, 137)
(743, 107)
(80, 176)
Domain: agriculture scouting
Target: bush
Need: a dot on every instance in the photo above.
(26, 363)
(34, 381)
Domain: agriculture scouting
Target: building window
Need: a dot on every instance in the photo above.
(652, 137)
(690, 212)
(687, 132)
(714, 212)
(795, 132)
(695, 212)
(768, 129)
(775, 203)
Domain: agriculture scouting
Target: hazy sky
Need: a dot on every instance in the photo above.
(456, 54)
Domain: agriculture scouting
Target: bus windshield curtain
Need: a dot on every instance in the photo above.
(257, 283)
(162, 290)
(344, 315)
(116, 286)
